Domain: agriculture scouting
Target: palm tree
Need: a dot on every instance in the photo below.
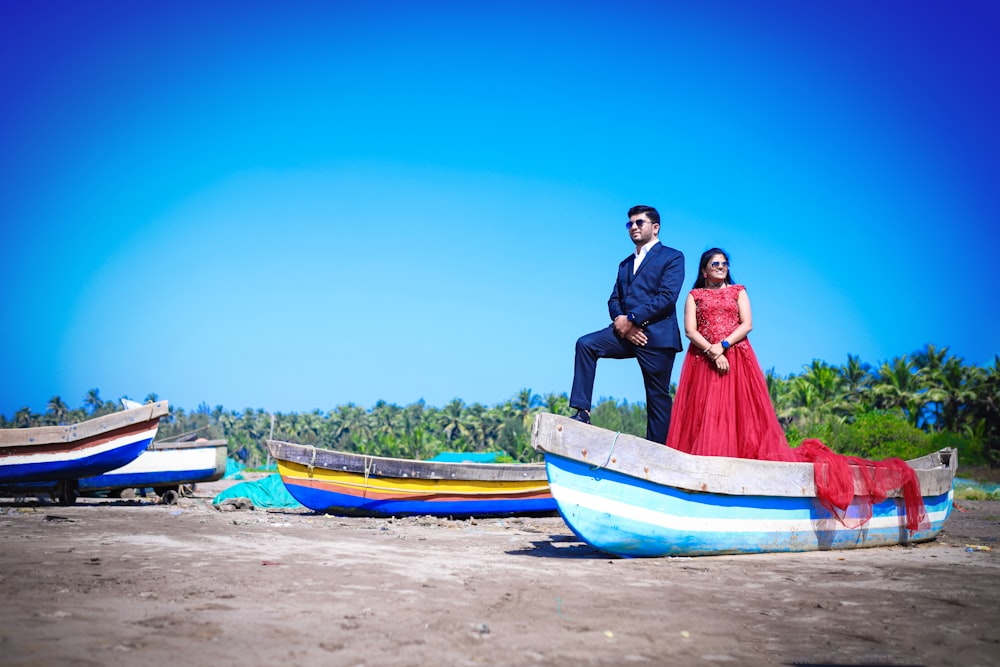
(57, 410)
(417, 445)
(452, 423)
(824, 379)
(23, 418)
(350, 425)
(413, 419)
(930, 357)
(526, 402)
(956, 394)
(780, 391)
(304, 428)
(477, 425)
(557, 404)
(897, 387)
(801, 407)
(385, 418)
(984, 419)
(856, 378)
(92, 400)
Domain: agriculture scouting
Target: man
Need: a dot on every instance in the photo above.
(644, 324)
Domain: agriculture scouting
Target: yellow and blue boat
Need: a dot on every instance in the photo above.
(335, 482)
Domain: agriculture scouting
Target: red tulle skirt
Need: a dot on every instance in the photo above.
(732, 415)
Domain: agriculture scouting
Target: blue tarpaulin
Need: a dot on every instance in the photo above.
(467, 457)
(234, 469)
(269, 491)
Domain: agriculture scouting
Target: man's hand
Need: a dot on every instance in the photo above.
(622, 326)
(628, 331)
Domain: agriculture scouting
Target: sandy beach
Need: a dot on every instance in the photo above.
(131, 582)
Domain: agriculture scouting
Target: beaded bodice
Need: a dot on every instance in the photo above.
(717, 311)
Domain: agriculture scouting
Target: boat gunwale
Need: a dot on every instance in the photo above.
(90, 428)
(641, 459)
(381, 466)
(167, 445)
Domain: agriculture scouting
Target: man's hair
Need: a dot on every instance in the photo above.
(648, 210)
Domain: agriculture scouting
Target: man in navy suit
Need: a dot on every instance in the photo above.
(644, 324)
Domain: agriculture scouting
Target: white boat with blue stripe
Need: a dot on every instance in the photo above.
(46, 457)
(630, 497)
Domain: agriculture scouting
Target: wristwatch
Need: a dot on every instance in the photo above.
(725, 345)
(631, 318)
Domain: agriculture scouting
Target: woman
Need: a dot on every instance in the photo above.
(723, 408)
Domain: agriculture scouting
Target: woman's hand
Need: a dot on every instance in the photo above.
(722, 364)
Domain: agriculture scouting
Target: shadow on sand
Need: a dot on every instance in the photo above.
(560, 546)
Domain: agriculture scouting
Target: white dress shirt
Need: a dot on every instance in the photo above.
(640, 254)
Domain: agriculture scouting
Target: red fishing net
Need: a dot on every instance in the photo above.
(841, 479)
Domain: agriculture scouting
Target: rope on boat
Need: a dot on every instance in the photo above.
(369, 462)
(312, 461)
(610, 452)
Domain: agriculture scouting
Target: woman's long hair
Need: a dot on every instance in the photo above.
(706, 257)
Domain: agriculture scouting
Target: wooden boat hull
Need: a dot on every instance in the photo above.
(347, 484)
(633, 498)
(164, 465)
(54, 453)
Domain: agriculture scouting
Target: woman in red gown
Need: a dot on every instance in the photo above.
(723, 408)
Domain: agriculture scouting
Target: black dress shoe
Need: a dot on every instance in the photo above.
(582, 416)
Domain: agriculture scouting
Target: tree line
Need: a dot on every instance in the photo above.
(904, 407)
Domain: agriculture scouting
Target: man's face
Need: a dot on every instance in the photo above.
(641, 229)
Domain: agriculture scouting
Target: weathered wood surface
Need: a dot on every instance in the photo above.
(331, 459)
(42, 435)
(640, 458)
(161, 445)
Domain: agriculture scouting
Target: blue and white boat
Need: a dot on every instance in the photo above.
(164, 467)
(48, 456)
(630, 497)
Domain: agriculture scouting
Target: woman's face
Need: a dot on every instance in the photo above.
(717, 268)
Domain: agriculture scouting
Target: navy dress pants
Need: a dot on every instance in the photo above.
(657, 363)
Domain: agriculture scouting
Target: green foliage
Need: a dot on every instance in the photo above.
(624, 418)
(970, 450)
(831, 435)
(879, 435)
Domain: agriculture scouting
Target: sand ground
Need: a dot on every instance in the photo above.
(136, 583)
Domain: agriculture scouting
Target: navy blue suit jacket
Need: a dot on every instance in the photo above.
(651, 294)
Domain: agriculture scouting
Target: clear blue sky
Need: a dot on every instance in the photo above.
(295, 205)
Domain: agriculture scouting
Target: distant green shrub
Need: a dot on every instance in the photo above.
(830, 434)
(879, 435)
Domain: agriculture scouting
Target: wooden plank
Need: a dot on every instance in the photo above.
(331, 459)
(41, 435)
(186, 444)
